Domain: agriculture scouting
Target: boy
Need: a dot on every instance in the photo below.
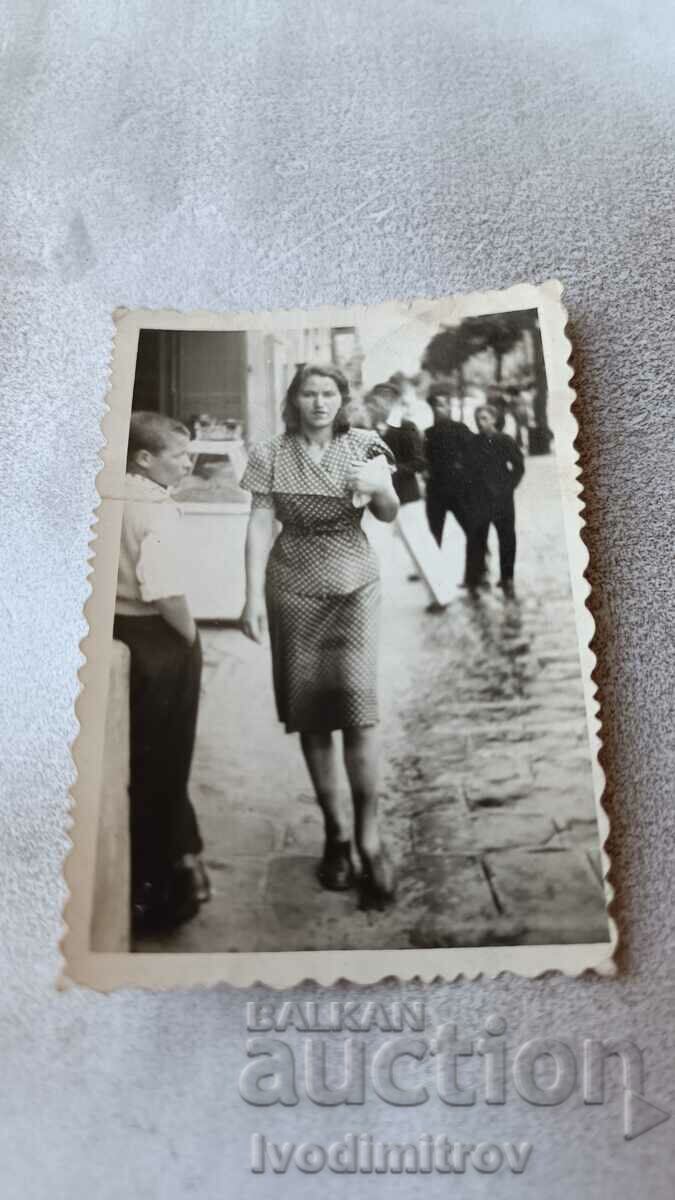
(495, 467)
(153, 619)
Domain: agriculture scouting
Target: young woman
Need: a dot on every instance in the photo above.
(317, 587)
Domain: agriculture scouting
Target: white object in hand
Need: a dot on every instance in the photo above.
(379, 472)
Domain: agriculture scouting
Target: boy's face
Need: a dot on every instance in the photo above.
(485, 421)
(378, 410)
(170, 464)
(443, 407)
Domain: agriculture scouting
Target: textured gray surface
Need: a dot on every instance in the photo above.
(285, 153)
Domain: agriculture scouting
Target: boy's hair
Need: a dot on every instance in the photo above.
(387, 389)
(151, 431)
(290, 412)
(381, 396)
(439, 391)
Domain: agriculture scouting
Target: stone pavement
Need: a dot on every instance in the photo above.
(487, 802)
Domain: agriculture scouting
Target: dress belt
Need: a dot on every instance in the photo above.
(297, 530)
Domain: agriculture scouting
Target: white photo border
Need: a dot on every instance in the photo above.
(285, 969)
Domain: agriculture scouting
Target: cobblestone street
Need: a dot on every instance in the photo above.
(487, 803)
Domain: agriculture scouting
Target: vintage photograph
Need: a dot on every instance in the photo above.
(339, 696)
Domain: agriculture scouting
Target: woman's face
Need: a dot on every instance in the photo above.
(319, 402)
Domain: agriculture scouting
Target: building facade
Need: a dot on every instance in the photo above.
(237, 377)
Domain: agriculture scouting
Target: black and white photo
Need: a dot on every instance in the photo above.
(345, 716)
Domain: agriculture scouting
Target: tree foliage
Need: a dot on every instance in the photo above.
(452, 347)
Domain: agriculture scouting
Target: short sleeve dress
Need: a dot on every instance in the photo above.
(322, 584)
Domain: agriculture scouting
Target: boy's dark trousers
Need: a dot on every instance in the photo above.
(164, 700)
(438, 503)
(446, 444)
(503, 518)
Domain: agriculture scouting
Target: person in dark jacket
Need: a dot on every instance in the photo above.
(445, 448)
(495, 467)
(403, 439)
(496, 400)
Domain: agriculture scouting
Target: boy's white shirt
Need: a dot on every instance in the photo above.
(151, 564)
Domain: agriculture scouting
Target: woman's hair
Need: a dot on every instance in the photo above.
(151, 431)
(290, 411)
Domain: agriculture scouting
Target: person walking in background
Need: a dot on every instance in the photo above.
(445, 448)
(153, 619)
(401, 436)
(521, 417)
(413, 408)
(316, 586)
(495, 467)
(404, 439)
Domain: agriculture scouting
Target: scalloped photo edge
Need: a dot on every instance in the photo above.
(104, 969)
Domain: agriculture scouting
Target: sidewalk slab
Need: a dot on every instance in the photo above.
(554, 892)
(486, 793)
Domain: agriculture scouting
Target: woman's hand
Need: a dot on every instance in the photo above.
(372, 484)
(259, 536)
(253, 620)
(372, 477)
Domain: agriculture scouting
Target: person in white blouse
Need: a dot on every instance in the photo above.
(152, 617)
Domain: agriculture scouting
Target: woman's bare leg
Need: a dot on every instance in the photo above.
(319, 754)
(361, 754)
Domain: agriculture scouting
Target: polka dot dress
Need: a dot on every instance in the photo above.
(322, 582)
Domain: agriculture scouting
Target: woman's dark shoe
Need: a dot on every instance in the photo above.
(377, 885)
(335, 871)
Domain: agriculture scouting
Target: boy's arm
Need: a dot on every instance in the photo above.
(176, 613)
